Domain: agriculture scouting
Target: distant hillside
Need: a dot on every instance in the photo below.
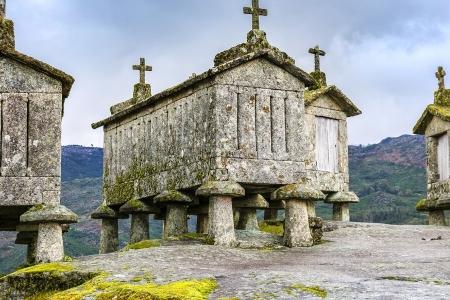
(389, 178)
(80, 162)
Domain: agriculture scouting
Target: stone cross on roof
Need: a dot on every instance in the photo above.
(255, 11)
(142, 68)
(2, 8)
(317, 54)
(440, 75)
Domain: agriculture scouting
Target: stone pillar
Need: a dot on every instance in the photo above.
(176, 220)
(49, 217)
(436, 218)
(236, 216)
(311, 206)
(248, 205)
(202, 224)
(49, 246)
(341, 212)
(341, 205)
(31, 250)
(248, 219)
(109, 235)
(139, 230)
(296, 225)
(270, 214)
(176, 205)
(221, 221)
(139, 211)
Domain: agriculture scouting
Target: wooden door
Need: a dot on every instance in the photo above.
(443, 157)
(327, 144)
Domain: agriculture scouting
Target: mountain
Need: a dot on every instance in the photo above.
(389, 178)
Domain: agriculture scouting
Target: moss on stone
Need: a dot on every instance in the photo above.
(421, 205)
(312, 290)
(192, 236)
(102, 289)
(143, 245)
(273, 227)
(48, 268)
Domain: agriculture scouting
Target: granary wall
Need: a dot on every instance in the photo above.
(324, 106)
(245, 124)
(31, 111)
(167, 145)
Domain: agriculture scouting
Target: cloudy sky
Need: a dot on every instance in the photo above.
(382, 53)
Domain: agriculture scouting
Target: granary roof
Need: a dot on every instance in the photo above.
(7, 49)
(266, 53)
(440, 108)
(337, 95)
(65, 79)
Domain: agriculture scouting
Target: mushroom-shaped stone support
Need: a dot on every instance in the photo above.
(49, 245)
(109, 236)
(201, 211)
(296, 225)
(176, 204)
(221, 223)
(247, 209)
(140, 224)
(341, 205)
(435, 209)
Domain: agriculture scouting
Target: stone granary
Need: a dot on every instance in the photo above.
(32, 97)
(435, 125)
(241, 134)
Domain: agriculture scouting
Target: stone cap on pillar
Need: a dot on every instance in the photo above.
(221, 188)
(277, 204)
(297, 191)
(106, 212)
(35, 227)
(252, 201)
(444, 202)
(342, 197)
(172, 197)
(137, 206)
(44, 213)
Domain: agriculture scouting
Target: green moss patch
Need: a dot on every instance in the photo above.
(45, 278)
(143, 245)
(192, 236)
(102, 289)
(274, 227)
(312, 290)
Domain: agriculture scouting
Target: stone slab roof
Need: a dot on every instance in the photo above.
(337, 95)
(268, 54)
(65, 79)
(432, 110)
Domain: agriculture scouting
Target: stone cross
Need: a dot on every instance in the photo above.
(255, 11)
(2, 8)
(317, 54)
(142, 68)
(440, 75)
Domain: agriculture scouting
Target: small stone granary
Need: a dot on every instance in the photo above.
(435, 125)
(243, 136)
(32, 97)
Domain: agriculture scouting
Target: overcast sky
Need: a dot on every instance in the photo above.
(382, 53)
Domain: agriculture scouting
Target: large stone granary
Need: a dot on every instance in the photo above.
(434, 124)
(32, 97)
(240, 135)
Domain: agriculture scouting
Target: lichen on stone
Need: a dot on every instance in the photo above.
(143, 245)
(312, 290)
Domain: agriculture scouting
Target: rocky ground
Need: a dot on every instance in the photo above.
(357, 261)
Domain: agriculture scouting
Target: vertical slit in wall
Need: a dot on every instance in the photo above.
(272, 125)
(27, 147)
(286, 125)
(256, 123)
(238, 120)
(1, 135)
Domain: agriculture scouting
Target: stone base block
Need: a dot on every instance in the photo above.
(436, 218)
(202, 224)
(139, 230)
(248, 219)
(296, 227)
(221, 223)
(176, 220)
(341, 212)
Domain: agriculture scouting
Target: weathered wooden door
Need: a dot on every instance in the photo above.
(327, 144)
(443, 157)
